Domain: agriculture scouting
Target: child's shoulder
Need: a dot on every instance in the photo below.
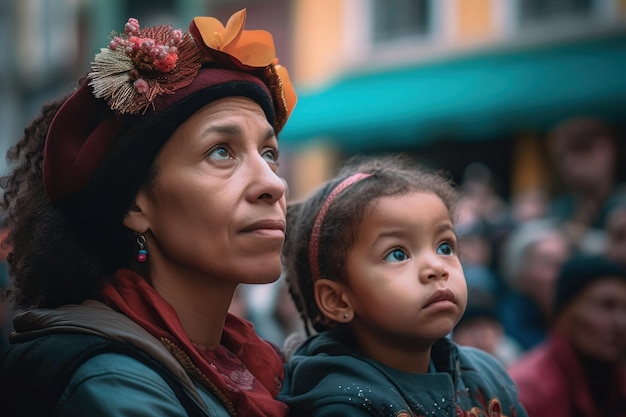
(474, 359)
(325, 377)
(324, 355)
(480, 370)
(330, 378)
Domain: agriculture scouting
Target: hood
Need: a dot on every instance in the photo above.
(95, 318)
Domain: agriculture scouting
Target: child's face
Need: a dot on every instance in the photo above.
(404, 278)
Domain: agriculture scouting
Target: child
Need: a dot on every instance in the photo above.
(372, 262)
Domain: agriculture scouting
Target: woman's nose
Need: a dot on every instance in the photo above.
(267, 185)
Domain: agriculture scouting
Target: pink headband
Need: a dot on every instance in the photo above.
(314, 242)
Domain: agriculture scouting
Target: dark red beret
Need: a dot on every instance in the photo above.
(87, 136)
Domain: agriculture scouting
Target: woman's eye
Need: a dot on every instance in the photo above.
(219, 152)
(270, 155)
(445, 249)
(396, 255)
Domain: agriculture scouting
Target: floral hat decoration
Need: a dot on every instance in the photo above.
(142, 87)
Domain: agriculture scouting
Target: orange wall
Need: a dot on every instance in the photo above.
(314, 166)
(474, 19)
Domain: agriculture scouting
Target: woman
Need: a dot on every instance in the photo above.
(137, 206)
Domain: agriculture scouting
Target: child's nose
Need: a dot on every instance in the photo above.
(433, 268)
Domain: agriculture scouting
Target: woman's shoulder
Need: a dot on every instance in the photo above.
(113, 383)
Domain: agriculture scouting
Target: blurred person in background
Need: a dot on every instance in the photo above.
(476, 254)
(481, 327)
(580, 370)
(271, 310)
(529, 204)
(136, 207)
(584, 152)
(615, 243)
(6, 314)
(532, 258)
(483, 224)
(480, 196)
(482, 204)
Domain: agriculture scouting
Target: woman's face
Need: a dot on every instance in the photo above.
(216, 210)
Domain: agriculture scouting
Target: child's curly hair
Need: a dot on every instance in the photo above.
(391, 176)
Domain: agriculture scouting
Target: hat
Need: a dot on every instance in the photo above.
(145, 84)
(578, 272)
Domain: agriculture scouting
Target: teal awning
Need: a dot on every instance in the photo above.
(469, 98)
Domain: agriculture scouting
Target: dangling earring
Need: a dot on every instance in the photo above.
(142, 255)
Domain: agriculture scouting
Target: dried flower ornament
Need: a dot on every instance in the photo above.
(245, 50)
(141, 64)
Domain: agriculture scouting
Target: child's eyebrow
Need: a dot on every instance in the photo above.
(444, 227)
(401, 231)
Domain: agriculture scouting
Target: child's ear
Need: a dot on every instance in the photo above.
(333, 301)
(135, 218)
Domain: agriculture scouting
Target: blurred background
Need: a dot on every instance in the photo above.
(451, 81)
(508, 96)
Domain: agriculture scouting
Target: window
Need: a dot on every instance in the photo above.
(396, 19)
(151, 12)
(543, 11)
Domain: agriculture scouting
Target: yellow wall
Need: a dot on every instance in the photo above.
(318, 39)
(314, 165)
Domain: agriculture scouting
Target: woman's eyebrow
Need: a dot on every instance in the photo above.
(226, 129)
(234, 130)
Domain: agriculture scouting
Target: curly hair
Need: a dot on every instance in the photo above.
(391, 176)
(55, 257)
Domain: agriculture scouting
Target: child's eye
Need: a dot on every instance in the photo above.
(219, 152)
(396, 255)
(445, 249)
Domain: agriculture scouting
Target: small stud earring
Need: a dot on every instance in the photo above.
(142, 255)
(346, 315)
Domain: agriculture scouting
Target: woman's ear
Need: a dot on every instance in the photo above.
(333, 301)
(136, 219)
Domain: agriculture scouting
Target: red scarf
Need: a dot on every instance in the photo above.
(246, 370)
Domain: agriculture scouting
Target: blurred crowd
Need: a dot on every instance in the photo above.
(514, 251)
(546, 274)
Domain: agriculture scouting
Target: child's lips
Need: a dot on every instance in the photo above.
(441, 296)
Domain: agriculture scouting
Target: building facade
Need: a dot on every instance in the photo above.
(449, 81)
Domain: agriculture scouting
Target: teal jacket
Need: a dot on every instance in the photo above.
(327, 378)
(114, 384)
